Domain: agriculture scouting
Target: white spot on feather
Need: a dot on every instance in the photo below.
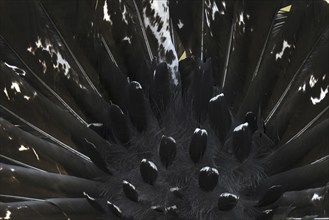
(127, 39)
(241, 19)
(5, 91)
(268, 211)
(208, 169)
(64, 63)
(198, 130)
(316, 197)
(284, 47)
(322, 96)
(312, 81)
(47, 46)
(180, 24)
(172, 139)
(216, 97)
(124, 14)
(82, 86)
(174, 189)
(302, 88)
(7, 216)
(106, 17)
(95, 124)
(228, 195)
(15, 68)
(23, 148)
(214, 10)
(137, 84)
(44, 66)
(30, 49)
(15, 86)
(174, 207)
(240, 127)
(224, 4)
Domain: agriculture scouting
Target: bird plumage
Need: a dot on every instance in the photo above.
(100, 119)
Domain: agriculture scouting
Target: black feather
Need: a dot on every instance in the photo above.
(93, 98)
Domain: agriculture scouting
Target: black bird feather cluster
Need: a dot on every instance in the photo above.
(164, 109)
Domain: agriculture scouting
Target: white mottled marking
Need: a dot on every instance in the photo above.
(241, 19)
(203, 131)
(106, 17)
(267, 211)
(47, 46)
(44, 66)
(27, 97)
(95, 124)
(155, 207)
(240, 127)
(161, 9)
(23, 148)
(316, 197)
(214, 10)
(22, 207)
(124, 14)
(174, 207)
(322, 96)
(82, 86)
(302, 88)
(207, 169)
(174, 189)
(284, 47)
(64, 63)
(216, 97)
(7, 216)
(15, 86)
(172, 139)
(228, 195)
(127, 39)
(137, 85)
(312, 81)
(30, 49)
(5, 91)
(180, 24)
(15, 68)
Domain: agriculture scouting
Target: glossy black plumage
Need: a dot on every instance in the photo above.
(116, 109)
